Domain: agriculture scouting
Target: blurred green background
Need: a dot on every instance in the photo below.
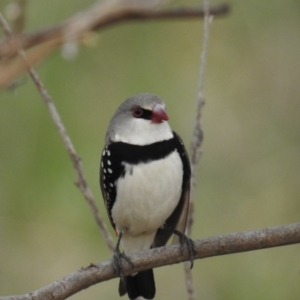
(249, 175)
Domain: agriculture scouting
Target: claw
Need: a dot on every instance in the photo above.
(185, 240)
(117, 259)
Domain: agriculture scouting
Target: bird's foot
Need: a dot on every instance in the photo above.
(185, 240)
(117, 259)
(117, 262)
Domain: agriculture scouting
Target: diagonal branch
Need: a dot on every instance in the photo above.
(75, 159)
(158, 257)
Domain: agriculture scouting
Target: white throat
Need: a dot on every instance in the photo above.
(143, 132)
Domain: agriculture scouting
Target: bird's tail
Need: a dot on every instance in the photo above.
(141, 284)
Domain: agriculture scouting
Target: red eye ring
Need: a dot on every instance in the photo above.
(137, 112)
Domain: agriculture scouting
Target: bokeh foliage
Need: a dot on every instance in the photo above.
(249, 175)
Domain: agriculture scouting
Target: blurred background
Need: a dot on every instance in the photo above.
(249, 174)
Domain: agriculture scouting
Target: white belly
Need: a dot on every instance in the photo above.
(146, 197)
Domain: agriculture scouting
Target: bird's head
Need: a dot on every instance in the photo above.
(140, 120)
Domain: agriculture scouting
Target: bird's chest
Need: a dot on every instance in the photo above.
(147, 194)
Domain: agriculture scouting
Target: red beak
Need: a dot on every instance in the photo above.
(159, 114)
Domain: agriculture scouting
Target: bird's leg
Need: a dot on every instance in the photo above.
(184, 240)
(117, 258)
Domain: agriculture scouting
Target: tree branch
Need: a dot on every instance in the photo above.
(158, 257)
(197, 139)
(74, 30)
(102, 15)
(75, 159)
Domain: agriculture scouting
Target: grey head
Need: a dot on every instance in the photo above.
(140, 120)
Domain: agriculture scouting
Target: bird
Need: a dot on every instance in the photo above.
(145, 182)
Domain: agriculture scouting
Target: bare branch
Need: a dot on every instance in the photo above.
(196, 145)
(101, 15)
(98, 16)
(76, 161)
(168, 13)
(158, 257)
(197, 139)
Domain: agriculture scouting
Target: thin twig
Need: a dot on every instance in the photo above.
(197, 139)
(76, 161)
(158, 257)
(9, 70)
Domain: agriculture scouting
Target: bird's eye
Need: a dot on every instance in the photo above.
(137, 112)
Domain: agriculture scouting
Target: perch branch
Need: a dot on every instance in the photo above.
(158, 257)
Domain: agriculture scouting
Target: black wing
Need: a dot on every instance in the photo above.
(111, 169)
(178, 218)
